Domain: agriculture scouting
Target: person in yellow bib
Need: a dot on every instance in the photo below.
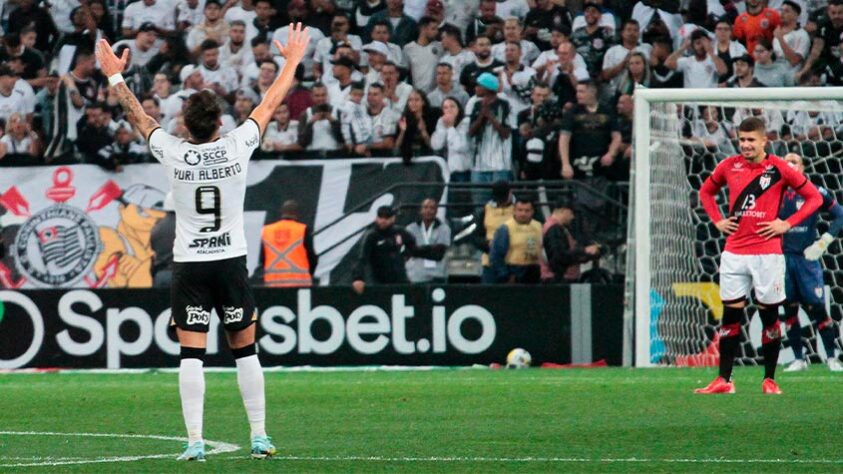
(517, 246)
(287, 255)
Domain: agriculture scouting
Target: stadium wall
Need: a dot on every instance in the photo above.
(451, 325)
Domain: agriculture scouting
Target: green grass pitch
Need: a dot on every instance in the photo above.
(598, 420)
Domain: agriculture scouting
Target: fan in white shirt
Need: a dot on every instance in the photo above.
(790, 42)
(512, 30)
(702, 70)
(143, 47)
(160, 13)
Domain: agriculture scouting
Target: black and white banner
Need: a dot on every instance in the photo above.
(83, 227)
(388, 325)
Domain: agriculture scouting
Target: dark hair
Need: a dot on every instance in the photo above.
(154, 99)
(376, 85)
(12, 40)
(426, 20)
(630, 21)
(516, 43)
(453, 31)
(697, 34)
(259, 39)
(663, 40)
(269, 61)
(752, 124)
(290, 208)
(208, 44)
(427, 114)
(384, 23)
(318, 85)
(202, 115)
(523, 199)
(237, 22)
(447, 65)
(389, 63)
(460, 111)
(767, 44)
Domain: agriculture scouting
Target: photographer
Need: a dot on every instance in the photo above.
(322, 132)
(563, 255)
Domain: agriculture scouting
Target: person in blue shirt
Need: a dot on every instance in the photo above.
(804, 273)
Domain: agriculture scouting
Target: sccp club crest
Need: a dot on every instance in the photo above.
(58, 245)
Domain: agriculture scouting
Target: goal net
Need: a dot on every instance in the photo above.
(673, 303)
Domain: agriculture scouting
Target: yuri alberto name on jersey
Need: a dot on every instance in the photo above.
(208, 174)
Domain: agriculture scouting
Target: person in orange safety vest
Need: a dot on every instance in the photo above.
(287, 256)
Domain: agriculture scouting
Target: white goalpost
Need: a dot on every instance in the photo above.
(672, 305)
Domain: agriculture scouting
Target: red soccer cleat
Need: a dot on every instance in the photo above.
(770, 386)
(718, 385)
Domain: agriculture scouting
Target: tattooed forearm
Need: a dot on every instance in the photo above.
(134, 111)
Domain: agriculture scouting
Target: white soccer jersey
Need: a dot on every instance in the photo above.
(208, 182)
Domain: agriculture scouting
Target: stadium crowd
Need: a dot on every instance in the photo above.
(506, 90)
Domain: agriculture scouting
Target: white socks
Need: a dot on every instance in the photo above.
(250, 379)
(192, 391)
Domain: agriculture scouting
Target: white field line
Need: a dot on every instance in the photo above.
(217, 447)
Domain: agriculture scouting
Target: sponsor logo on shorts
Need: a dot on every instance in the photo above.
(197, 315)
(232, 314)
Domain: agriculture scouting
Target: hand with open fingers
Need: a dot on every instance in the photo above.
(109, 62)
(773, 228)
(297, 41)
(727, 226)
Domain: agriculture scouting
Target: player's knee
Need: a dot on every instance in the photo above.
(192, 353)
(732, 318)
(244, 351)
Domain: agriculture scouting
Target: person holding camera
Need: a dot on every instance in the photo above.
(322, 131)
(562, 253)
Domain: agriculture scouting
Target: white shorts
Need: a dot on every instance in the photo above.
(741, 273)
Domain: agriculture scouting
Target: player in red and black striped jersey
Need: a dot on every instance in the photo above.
(752, 259)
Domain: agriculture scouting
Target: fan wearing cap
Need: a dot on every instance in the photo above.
(159, 13)
(382, 31)
(127, 148)
(342, 76)
(213, 27)
(142, 47)
(562, 253)
(592, 39)
(384, 251)
(376, 56)
(491, 123)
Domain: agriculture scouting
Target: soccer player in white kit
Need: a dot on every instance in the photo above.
(207, 175)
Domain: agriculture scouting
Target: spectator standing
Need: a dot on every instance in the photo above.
(320, 128)
(725, 47)
(94, 136)
(791, 44)
(222, 81)
(158, 12)
(31, 13)
(423, 54)
(264, 23)
(189, 13)
(758, 21)
(663, 76)
(381, 31)
(637, 73)
(404, 28)
(161, 240)
(363, 10)
(538, 125)
(383, 122)
(512, 32)
(769, 72)
(288, 258)
(485, 23)
(563, 254)
(825, 51)
(451, 140)
(541, 21)
(429, 230)
(516, 247)
(142, 48)
(446, 87)
(125, 148)
(282, 134)
(323, 55)
(236, 53)
(27, 62)
(517, 80)
(593, 39)
(384, 250)
(213, 27)
(416, 125)
(453, 51)
(356, 125)
(491, 125)
(396, 92)
(11, 101)
(744, 67)
(483, 62)
(19, 138)
(616, 59)
(701, 70)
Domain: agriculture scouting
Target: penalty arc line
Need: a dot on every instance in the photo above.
(217, 447)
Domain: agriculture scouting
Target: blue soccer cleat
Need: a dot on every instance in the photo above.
(194, 452)
(262, 447)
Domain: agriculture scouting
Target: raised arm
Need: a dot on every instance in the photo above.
(112, 66)
(297, 41)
